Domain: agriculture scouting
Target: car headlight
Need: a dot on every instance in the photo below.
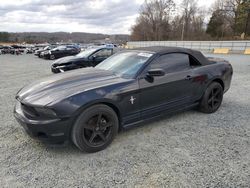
(46, 112)
(61, 67)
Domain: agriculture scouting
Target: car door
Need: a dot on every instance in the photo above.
(170, 91)
(73, 51)
(69, 51)
(101, 55)
(60, 52)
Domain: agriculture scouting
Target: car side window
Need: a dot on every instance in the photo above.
(104, 53)
(171, 62)
(194, 62)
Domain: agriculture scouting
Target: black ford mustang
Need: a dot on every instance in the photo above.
(47, 48)
(61, 51)
(89, 106)
(88, 58)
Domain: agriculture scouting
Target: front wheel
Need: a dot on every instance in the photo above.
(95, 128)
(212, 99)
(52, 57)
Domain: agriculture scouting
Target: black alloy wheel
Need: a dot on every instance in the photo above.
(52, 57)
(215, 98)
(95, 128)
(212, 98)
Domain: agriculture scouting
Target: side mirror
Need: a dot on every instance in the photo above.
(156, 72)
(93, 57)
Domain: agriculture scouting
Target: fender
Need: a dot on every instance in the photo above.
(106, 101)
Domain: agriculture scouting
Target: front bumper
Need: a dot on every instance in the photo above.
(45, 56)
(55, 70)
(49, 131)
(58, 69)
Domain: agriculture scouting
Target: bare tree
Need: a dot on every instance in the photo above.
(192, 20)
(157, 21)
(234, 14)
(153, 22)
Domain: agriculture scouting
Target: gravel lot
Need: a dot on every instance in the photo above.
(188, 149)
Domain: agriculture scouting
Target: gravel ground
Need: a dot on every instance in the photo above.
(188, 149)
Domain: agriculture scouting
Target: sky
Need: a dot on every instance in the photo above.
(94, 16)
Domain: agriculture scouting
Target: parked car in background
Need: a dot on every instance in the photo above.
(18, 48)
(61, 51)
(38, 52)
(8, 50)
(103, 45)
(30, 50)
(88, 58)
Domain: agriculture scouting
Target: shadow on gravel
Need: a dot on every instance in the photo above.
(68, 147)
(225, 113)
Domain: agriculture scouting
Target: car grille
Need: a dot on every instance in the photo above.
(29, 111)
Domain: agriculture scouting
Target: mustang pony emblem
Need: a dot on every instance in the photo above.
(132, 99)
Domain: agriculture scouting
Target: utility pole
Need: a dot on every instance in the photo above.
(183, 29)
(247, 21)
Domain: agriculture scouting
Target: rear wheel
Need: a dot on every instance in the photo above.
(212, 99)
(95, 128)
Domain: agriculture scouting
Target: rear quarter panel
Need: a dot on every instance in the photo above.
(220, 70)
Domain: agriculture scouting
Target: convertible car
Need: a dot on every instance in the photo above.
(88, 106)
(88, 58)
(47, 48)
(7, 50)
(60, 51)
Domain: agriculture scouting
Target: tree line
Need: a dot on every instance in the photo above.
(64, 37)
(4, 36)
(164, 20)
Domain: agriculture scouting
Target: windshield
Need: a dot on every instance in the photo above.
(86, 53)
(125, 64)
(60, 48)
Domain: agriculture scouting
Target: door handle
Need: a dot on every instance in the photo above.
(188, 77)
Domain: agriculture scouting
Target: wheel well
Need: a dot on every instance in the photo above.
(117, 111)
(220, 82)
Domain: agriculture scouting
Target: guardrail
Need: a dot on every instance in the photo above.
(207, 46)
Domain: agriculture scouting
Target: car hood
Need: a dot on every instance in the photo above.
(58, 87)
(41, 50)
(67, 59)
(45, 51)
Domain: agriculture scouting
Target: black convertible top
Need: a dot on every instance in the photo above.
(165, 50)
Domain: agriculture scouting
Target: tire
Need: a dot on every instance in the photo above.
(52, 57)
(212, 98)
(95, 128)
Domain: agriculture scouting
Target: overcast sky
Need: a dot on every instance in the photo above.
(95, 16)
